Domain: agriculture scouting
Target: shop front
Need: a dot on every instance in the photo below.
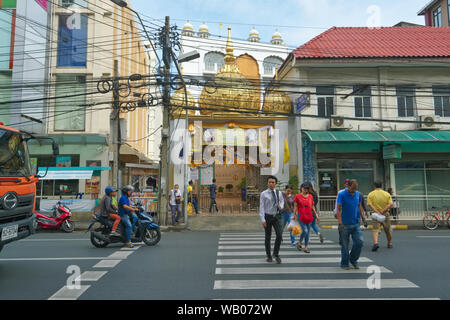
(414, 163)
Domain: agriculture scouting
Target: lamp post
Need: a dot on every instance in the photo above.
(185, 58)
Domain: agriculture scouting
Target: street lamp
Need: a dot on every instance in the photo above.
(192, 55)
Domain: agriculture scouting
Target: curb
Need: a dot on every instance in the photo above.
(396, 227)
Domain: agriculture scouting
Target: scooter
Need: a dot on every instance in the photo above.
(145, 230)
(61, 218)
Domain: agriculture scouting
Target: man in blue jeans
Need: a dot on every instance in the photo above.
(349, 212)
(125, 211)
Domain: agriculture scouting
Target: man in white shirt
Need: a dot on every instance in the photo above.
(271, 203)
(175, 204)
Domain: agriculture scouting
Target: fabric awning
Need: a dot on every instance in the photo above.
(378, 136)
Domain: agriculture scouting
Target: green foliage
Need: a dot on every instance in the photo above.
(220, 189)
(294, 183)
(229, 187)
(242, 184)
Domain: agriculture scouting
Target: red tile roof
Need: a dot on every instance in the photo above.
(387, 42)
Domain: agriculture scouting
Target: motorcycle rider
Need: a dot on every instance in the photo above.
(108, 211)
(126, 212)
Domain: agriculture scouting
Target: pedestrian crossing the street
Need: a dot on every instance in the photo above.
(242, 272)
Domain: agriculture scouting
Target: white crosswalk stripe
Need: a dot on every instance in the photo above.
(241, 265)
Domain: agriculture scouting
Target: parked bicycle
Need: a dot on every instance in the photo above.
(431, 221)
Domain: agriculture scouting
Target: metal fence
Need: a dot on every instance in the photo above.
(412, 207)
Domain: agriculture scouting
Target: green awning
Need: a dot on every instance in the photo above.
(378, 136)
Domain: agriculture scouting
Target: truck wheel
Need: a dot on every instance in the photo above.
(68, 226)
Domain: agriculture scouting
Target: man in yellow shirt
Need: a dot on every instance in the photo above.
(380, 202)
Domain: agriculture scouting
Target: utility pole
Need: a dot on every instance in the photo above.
(115, 116)
(164, 171)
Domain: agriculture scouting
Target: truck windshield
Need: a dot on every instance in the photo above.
(14, 157)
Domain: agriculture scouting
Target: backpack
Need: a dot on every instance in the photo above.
(306, 214)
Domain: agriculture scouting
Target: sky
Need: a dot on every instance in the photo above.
(297, 20)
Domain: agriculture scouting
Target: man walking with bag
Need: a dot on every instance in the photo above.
(380, 202)
(270, 205)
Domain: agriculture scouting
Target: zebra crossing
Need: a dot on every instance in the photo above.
(242, 272)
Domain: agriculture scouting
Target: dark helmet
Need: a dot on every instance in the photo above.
(125, 189)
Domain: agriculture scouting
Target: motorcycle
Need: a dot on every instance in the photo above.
(61, 218)
(146, 230)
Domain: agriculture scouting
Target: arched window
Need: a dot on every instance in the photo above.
(214, 61)
(271, 63)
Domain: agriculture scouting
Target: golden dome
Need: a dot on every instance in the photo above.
(277, 100)
(178, 103)
(203, 27)
(229, 89)
(188, 26)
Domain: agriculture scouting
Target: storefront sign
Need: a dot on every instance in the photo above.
(64, 161)
(194, 174)
(392, 151)
(74, 205)
(206, 176)
(65, 175)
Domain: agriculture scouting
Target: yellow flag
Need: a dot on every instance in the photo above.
(287, 156)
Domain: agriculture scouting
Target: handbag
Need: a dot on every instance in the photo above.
(190, 209)
(378, 217)
(306, 214)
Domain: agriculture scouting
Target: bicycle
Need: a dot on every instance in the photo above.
(431, 221)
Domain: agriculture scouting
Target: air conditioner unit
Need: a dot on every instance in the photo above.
(337, 123)
(428, 122)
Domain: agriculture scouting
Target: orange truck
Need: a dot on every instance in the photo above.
(17, 186)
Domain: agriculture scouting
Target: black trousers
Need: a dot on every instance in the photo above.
(213, 203)
(273, 221)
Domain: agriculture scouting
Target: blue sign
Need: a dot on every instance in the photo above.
(302, 102)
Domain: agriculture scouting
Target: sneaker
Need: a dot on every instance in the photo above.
(321, 238)
(278, 259)
(375, 247)
(129, 245)
(345, 268)
(294, 244)
(355, 266)
(114, 234)
(269, 259)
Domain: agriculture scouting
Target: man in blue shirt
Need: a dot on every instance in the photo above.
(349, 211)
(126, 211)
(212, 191)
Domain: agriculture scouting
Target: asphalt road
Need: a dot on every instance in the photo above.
(221, 265)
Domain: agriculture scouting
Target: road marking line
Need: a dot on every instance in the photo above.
(107, 264)
(52, 259)
(68, 294)
(432, 236)
(91, 275)
(130, 249)
(261, 238)
(308, 284)
(256, 242)
(56, 240)
(289, 253)
(293, 270)
(285, 246)
(119, 255)
(287, 260)
(296, 299)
